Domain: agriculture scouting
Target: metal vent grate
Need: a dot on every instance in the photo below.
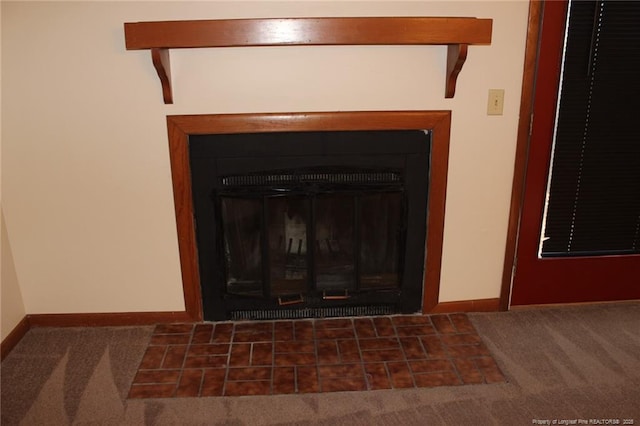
(320, 312)
(302, 178)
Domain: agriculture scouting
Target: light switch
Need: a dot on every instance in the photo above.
(495, 104)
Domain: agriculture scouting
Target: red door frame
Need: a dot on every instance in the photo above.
(552, 280)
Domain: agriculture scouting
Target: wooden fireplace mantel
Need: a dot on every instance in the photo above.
(457, 33)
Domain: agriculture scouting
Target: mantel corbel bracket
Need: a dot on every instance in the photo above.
(161, 36)
(456, 55)
(162, 64)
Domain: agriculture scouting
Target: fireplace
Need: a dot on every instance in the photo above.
(160, 37)
(309, 214)
(310, 224)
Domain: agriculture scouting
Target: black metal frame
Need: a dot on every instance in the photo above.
(214, 157)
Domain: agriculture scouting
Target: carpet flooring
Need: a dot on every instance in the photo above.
(561, 365)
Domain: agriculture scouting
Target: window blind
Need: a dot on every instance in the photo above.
(593, 204)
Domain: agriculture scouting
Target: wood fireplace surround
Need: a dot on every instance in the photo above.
(159, 37)
(180, 128)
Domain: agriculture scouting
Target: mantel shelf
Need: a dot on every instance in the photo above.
(161, 36)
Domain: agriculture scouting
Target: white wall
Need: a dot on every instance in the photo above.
(11, 305)
(86, 181)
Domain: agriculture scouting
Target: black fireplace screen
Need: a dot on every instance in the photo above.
(335, 234)
(321, 233)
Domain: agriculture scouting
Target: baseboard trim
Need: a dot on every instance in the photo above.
(149, 318)
(14, 337)
(107, 319)
(89, 320)
(478, 305)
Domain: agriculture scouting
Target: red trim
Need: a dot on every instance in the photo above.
(559, 280)
(570, 280)
(545, 100)
(547, 83)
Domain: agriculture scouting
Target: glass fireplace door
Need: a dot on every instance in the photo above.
(310, 224)
(382, 237)
(357, 244)
(242, 230)
(287, 219)
(335, 243)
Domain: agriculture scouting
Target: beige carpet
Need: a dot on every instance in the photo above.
(572, 363)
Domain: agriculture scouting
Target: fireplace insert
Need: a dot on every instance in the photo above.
(310, 224)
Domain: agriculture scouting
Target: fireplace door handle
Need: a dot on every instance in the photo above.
(344, 296)
(290, 301)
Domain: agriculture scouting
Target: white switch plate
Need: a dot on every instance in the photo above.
(495, 104)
